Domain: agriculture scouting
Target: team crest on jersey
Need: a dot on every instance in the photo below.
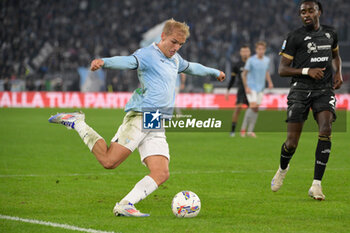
(307, 38)
(327, 35)
(311, 47)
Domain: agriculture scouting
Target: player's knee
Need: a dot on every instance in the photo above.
(291, 144)
(326, 129)
(108, 164)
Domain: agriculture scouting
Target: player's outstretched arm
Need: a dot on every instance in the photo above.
(117, 62)
(285, 70)
(200, 70)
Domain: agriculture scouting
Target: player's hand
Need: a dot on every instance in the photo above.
(270, 85)
(338, 81)
(96, 64)
(316, 73)
(221, 77)
(247, 90)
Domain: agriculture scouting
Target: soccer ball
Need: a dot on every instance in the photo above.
(186, 204)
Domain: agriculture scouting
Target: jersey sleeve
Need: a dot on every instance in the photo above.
(183, 64)
(248, 64)
(140, 58)
(120, 62)
(288, 49)
(200, 70)
(335, 41)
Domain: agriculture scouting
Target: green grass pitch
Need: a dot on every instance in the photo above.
(48, 174)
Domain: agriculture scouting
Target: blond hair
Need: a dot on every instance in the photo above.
(262, 43)
(171, 25)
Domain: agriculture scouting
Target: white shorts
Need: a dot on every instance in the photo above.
(255, 97)
(131, 136)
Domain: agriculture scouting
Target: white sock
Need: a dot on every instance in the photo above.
(142, 189)
(246, 119)
(282, 170)
(317, 182)
(86, 133)
(252, 122)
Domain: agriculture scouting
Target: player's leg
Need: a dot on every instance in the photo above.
(252, 99)
(288, 149)
(241, 100)
(254, 115)
(297, 113)
(246, 119)
(235, 117)
(324, 120)
(154, 152)
(109, 157)
(159, 173)
(289, 146)
(252, 119)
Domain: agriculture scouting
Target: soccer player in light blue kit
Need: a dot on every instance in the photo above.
(157, 66)
(254, 76)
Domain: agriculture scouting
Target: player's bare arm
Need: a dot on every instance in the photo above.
(244, 79)
(96, 64)
(269, 80)
(338, 78)
(285, 69)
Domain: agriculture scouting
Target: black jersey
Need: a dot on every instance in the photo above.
(236, 73)
(311, 49)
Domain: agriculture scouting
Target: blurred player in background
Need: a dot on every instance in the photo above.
(255, 74)
(308, 54)
(157, 66)
(236, 74)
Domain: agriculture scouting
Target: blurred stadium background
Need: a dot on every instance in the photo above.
(48, 45)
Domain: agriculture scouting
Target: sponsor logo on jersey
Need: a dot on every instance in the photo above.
(327, 35)
(319, 59)
(307, 38)
(311, 47)
(324, 47)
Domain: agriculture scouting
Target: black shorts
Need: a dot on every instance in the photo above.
(241, 97)
(300, 102)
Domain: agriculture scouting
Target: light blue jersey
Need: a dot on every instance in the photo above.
(157, 75)
(257, 69)
(178, 81)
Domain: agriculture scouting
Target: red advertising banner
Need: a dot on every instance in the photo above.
(119, 99)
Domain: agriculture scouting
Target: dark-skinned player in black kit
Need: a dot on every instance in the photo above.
(310, 55)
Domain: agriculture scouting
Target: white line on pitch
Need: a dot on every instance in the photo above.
(53, 224)
(142, 173)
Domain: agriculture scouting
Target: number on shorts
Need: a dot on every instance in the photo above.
(332, 101)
